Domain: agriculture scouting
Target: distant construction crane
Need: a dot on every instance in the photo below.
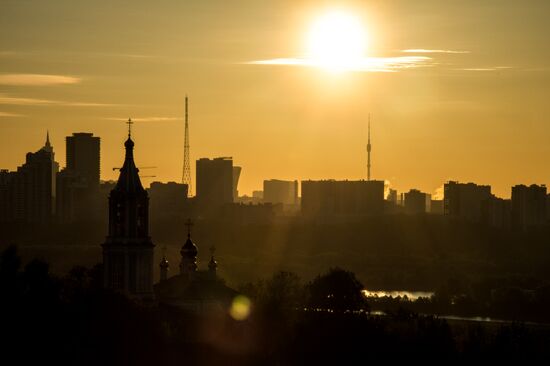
(186, 177)
(139, 167)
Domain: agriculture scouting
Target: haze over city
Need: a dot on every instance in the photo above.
(274, 182)
(463, 85)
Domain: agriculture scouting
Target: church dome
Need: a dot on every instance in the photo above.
(164, 263)
(189, 248)
(129, 144)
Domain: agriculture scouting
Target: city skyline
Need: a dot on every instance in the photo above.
(471, 103)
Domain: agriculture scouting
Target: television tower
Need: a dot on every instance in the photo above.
(186, 178)
(368, 153)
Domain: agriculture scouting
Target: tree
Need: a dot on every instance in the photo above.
(338, 290)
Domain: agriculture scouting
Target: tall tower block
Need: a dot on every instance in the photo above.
(186, 178)
(369, 147)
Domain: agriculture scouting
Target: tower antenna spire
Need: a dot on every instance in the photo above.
(369, 147)
(186, 177)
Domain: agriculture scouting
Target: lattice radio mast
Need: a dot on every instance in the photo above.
(186, 178)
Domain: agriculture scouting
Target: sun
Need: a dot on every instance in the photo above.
(337, 41)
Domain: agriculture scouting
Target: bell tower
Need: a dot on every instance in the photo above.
(128, 249)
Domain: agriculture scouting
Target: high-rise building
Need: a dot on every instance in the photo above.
(465, 200)
(128, 249)
(436, 207)
(331, 197)
(167, 200)
(78, 182)
(6, 195)
(496, 212)
(528, 205)
(215, 184)
(236, 175)
(30, 191)
(392, 196)
(281, 191)
(83, 157)
(417, 202)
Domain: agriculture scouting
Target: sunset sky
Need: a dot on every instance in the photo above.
(456, 89)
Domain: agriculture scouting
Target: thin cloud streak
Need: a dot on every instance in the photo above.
(422, 50)
(4, 99)
(367, 64)
(37, 79)
(6, 114)
(495, 68)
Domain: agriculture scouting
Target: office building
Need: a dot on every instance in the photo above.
(215, 182)
(331, 197)
(465, 200)
(280, 191)
(528, 205)
(417, 202)
(83, 157)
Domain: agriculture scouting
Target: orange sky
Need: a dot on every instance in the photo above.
(476, 110)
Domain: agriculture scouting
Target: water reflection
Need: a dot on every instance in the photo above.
(411, 295)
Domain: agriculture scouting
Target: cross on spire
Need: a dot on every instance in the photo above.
(189, 224)
(129, 123)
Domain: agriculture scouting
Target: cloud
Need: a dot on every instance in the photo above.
(422, 50)
(6, 114)
(146, 119)
(36, 79)
(495, 68)
(24, 101)
(367, 64)
(5, 99)
(7, 53)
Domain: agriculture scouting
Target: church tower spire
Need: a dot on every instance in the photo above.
(128, 249)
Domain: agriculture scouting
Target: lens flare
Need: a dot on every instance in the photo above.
(240, 308)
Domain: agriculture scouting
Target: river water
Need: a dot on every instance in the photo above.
(411, 295)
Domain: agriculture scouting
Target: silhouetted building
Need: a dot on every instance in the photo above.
(436, 207)
(528, 205)
(29, 193)
(83, 157)
(464, 200)
(215, 184)
(331, 197)
(417, 202)
(74, 200)
(78, 184)
(128, 249)
(250, 213)
(496, 212)
(280, 191)
(256, 198)
(392, 196)
(7, 197)
(167, 199)
(200, 291)
(236, 175)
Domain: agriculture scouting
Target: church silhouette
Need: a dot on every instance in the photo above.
(128, 253)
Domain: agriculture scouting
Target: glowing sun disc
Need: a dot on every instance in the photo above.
(337, 41)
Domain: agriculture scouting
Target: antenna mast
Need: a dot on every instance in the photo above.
(186, 178)
(368, 153)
